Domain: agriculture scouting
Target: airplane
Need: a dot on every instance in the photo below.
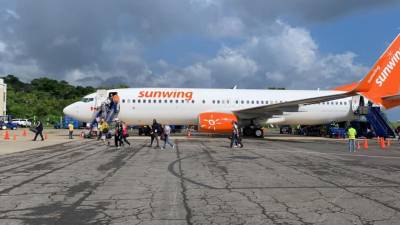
(213, 110)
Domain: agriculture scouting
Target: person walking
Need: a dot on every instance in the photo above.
(118, 135)
(167, 133)
(125, 133)
(352, 133)
(70, 129)
(235, 140)
(39, 130)
(155, 131)
(104, 131)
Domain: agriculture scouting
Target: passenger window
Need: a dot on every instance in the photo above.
(345, 103)
(218, 101)
(341, 103)
(165, 101)
(123, 100)
(138, 101)
(257, 102)
(237, 102)
(133, 100)
(227, 101)
(160, 101)
(252, 102)
(182, 101)
(171, 101)
(213, 101)
(129, 101)
(262, 102)
(144, 100)
(248, 102)
(177, 101)
(242, 102)
(192, 101)
(204, 101)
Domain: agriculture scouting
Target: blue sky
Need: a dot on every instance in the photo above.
(306, 44)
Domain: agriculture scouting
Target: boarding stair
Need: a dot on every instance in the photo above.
(103, 109)
(379, 122)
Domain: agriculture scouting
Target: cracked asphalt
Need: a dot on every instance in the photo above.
(201, 182)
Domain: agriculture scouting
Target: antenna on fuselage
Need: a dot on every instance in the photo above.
(234, 87)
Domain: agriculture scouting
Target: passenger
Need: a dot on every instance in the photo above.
(104, 131)
(155, 131)
(125, 133)
(115, 100)
(39, 130)
(235, 141)
(166, 133)
(99, 129)
(70, 129)
(352, 133)
(118, 135)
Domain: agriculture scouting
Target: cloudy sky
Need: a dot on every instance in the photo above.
(298, 44)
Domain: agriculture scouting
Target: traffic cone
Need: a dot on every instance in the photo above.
(358, 145)
(365, 144)
(388, 143)
(7, 135)
(24, 134)
(15, 137)
(45, 136)
(382, 144)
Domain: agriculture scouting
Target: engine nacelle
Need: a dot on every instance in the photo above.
(216, 122)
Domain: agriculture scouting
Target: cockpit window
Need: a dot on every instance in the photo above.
(87, 99)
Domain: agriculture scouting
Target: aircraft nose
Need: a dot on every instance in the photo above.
(71, 110)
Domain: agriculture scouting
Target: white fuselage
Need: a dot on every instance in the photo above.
(139, 106)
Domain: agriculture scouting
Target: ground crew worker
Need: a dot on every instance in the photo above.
(70, 129)
(351, 133)
(39, 130)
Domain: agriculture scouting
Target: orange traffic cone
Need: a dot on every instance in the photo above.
(388, 143)
(7, 135)
(358, 145)
(15, 137)
(382, 144)
(365, 144)
(24, 134)
(45, 136)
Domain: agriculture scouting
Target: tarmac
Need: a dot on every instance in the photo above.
(275, 180)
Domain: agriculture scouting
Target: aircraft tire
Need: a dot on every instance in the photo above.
(258, 133)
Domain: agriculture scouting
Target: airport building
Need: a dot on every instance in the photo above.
(3, 97)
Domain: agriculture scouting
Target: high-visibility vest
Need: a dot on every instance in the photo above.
(352, 133)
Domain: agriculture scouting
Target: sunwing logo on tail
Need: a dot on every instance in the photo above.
(388, 68)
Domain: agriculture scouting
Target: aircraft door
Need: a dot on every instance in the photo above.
(101, 96)
(356, 102)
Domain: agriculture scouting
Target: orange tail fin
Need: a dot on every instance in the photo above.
(382, 84)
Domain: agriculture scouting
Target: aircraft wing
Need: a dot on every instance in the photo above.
(288, 106)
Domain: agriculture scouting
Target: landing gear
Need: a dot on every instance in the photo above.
(252, 131)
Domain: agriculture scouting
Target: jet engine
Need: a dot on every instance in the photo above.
(216, 122)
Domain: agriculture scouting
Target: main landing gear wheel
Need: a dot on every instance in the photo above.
(258, 133)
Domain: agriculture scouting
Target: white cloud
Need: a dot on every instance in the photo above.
(227, 27)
